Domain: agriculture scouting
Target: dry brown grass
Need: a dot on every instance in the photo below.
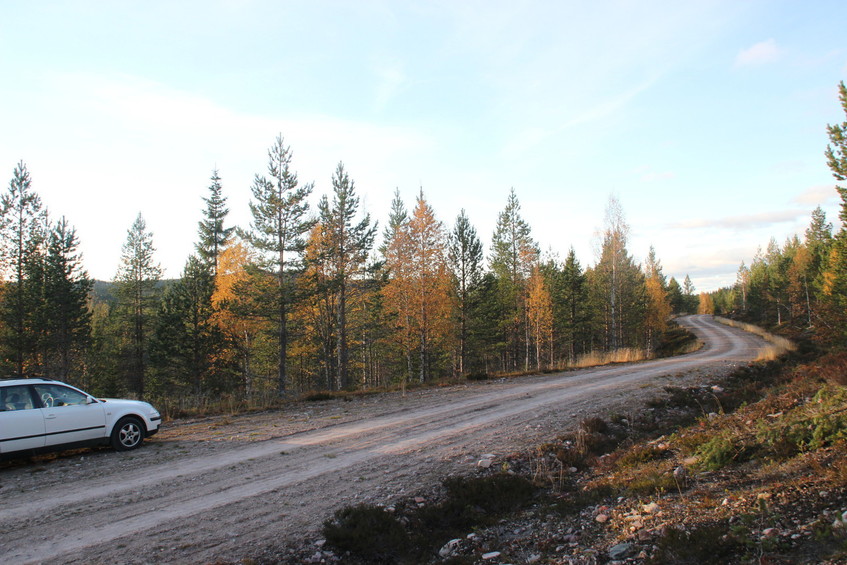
(596, 358)
(778, 346)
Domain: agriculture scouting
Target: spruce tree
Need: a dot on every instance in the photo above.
(675, 296)
(68, 318)
(212, 233)
(184, 337)
(572, 295)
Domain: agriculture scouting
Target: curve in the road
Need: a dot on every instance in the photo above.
(145, 499)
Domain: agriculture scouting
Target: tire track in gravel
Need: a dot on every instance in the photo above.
(86, 521)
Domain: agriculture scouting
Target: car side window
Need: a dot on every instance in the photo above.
(57, 395)
(16, 398)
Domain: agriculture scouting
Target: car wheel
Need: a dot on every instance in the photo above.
(127, 434)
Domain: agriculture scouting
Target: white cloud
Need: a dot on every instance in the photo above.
(760, 53)
(817, 195)
(747, 221)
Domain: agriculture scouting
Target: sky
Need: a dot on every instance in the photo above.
(705, 119)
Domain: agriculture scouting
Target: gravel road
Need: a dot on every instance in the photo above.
(218, 489)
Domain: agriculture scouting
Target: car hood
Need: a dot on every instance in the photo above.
(137, 404)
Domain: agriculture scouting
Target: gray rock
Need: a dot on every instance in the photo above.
(620, 551)
(449, 548)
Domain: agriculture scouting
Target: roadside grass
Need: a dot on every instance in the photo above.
(675, 341)
(778, 347)
(793, 440)
(751, 469)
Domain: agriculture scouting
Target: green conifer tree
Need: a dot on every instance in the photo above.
(280, 220)
(23, 225)
(346, 247)
(465, 256)
(68, 318)
(212, 232)
(136, 285)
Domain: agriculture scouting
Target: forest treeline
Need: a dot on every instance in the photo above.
(307, 300)
(802, 282)
(322, 299)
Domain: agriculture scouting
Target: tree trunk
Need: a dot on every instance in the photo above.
(343, 375)
(283, 336)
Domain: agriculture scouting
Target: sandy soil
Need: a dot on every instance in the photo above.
(216, 489)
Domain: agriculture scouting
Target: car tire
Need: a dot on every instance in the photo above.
(127, 434)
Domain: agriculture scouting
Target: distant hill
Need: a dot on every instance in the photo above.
(103, 291)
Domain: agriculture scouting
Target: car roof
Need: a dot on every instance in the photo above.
(13, 382)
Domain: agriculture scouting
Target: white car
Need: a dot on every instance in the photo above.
(38, 414)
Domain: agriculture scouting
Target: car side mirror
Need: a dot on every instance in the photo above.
(91, 400)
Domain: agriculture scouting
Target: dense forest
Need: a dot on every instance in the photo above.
(322, 299)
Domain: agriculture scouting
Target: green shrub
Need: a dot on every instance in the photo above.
(821, 423)
(641, 454)
(651, 483)
(717, 453)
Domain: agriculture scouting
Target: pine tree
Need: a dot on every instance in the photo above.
(835, 280)
(136, 286)
(513, 253)
(397, 218)
(279, 208)
(836, 155)
(23, 225)
(212, 232)
(465, 255)
(346, 248)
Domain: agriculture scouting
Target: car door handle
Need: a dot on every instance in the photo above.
(50, 417)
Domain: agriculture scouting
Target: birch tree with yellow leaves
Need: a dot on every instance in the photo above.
(540, 314)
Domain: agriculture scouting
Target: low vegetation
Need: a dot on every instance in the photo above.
(750, 469)
(373, 534)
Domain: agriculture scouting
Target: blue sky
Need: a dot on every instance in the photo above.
(705, 119)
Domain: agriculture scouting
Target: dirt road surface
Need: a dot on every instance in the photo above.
(218, 489)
